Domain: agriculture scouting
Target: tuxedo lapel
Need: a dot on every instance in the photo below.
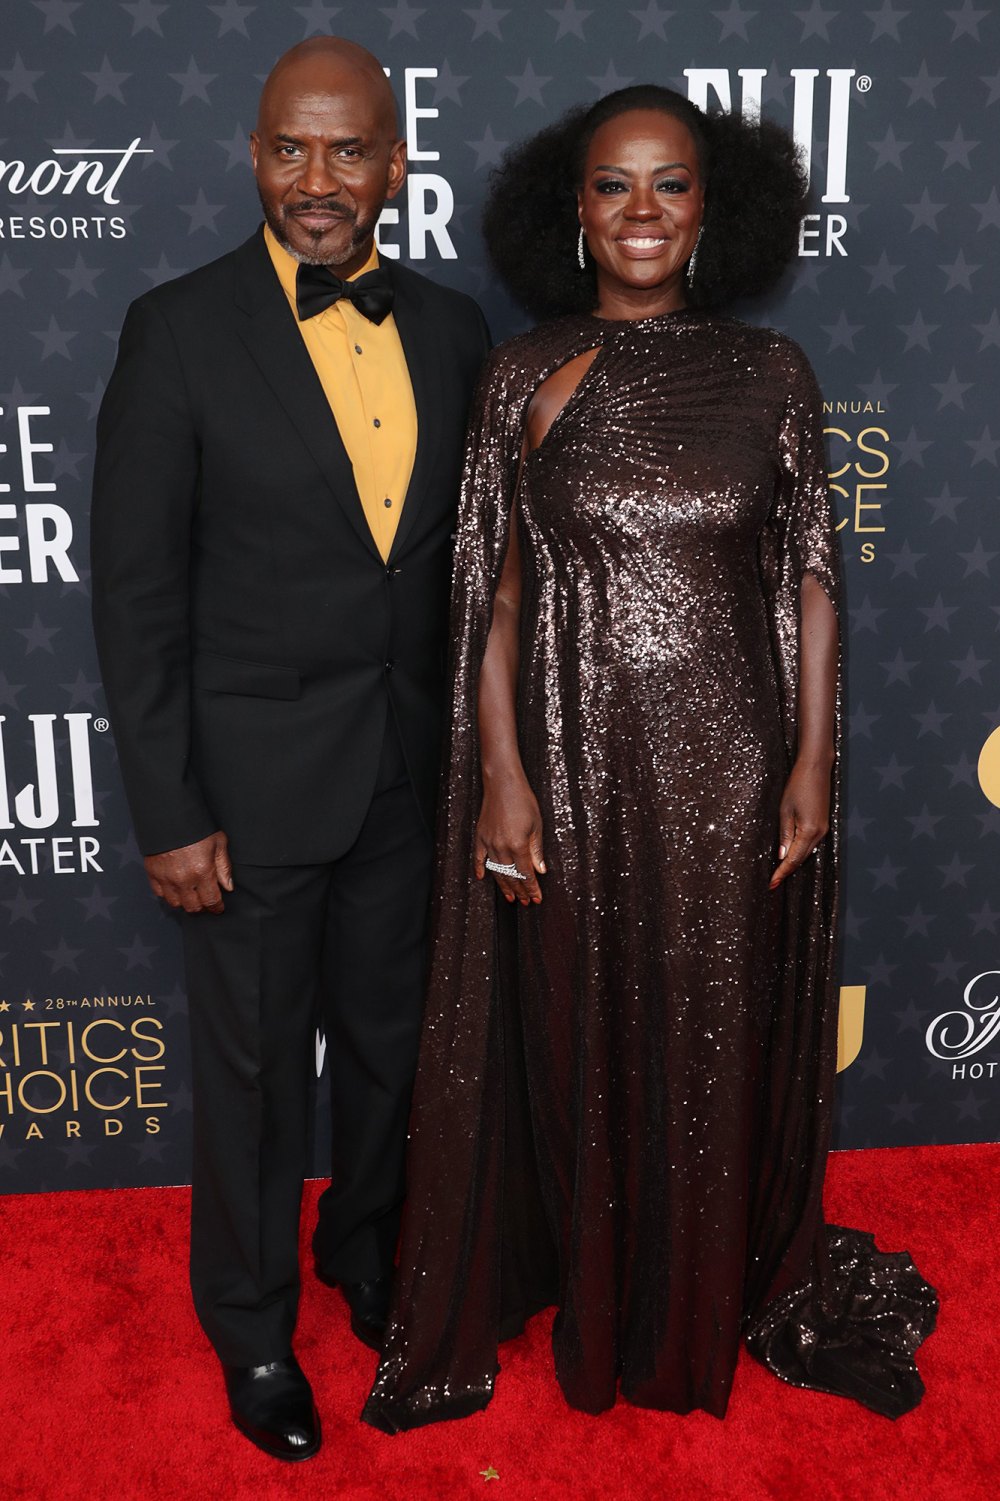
(423, 361)
(267, 327)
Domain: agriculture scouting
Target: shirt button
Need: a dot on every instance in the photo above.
(357, 349)
(387, 503)
(376, 423)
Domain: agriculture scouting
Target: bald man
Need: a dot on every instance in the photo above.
(277, 471)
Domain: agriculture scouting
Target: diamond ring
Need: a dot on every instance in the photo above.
(505, 870)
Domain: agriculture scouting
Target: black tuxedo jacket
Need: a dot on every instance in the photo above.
(251, 638)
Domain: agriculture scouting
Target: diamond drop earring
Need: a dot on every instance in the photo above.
(689, 274)
(581, 258)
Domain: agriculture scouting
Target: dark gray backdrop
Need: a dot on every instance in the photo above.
(894, 298)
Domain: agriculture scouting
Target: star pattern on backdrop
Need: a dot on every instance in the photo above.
(889, 151)
(145, 15)
(54, 340)
(529, 85)
(906, 560)
(570, 20)
(448, 84)
(20, 80)
(883, 274)
(193, 83)
(202, 214)
(734, 21)
(12, 276)
(885, 22)
(815, 22)
(967, 21)
(108, 82)
(237, 149)
(58, 14)
(158, 150)
(989, 211)
(232, 17)
(922, 86)
(610, 80)
(487, 18)
(918, 333)
(924, 213)
(652, 21)
(317, 17)
(957, 150)
(81, 278)
(402, 18)
(489, 150)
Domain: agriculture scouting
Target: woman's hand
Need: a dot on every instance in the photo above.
(805, 816)
(509, 832)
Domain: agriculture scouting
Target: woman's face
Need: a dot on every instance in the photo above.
(640, 206)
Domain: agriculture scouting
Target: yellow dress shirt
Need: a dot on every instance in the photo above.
(363, 372)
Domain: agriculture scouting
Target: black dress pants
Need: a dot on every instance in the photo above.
(341, 944)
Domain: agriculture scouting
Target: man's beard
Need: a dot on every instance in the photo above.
(362, 232)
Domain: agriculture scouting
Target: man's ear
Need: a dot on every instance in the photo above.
(397, 168)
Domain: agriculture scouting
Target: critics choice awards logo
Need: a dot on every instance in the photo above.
(70, 1074)
(859, 456)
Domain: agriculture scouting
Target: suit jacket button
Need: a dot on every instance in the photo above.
(389, 666)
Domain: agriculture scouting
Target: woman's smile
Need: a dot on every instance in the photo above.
(643, 246)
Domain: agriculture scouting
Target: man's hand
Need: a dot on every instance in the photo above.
(193, 877)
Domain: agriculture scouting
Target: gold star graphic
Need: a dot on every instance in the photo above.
(490, 1473)
(4, 1006)
(28, 1005)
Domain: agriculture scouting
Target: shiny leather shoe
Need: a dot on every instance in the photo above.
(369, 1305)
(272, 1405)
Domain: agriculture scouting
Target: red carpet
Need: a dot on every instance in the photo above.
(109, 1391)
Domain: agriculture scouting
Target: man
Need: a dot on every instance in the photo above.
(277, 469)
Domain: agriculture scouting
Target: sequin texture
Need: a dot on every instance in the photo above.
(624, 1095)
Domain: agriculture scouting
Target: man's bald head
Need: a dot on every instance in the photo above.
(326, 151)
(316, 66)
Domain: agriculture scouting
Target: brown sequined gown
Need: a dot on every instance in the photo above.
(624, 1095)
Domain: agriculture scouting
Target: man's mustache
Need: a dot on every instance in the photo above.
(323, 206)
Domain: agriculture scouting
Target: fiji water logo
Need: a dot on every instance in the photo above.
(36, 805)
(57, 786)
(837, 111)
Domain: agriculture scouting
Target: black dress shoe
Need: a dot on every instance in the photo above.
(369, 1305)
(272, 1405)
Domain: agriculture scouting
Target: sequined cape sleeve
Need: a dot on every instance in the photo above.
(440, 1355)
(826, 1310)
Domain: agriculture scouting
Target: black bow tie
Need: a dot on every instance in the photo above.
(316, 289)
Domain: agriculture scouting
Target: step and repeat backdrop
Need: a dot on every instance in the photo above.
(124, 161)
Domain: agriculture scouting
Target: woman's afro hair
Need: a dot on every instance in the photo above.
(755, 194)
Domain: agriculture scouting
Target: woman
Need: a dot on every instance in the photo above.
(623, 1105)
